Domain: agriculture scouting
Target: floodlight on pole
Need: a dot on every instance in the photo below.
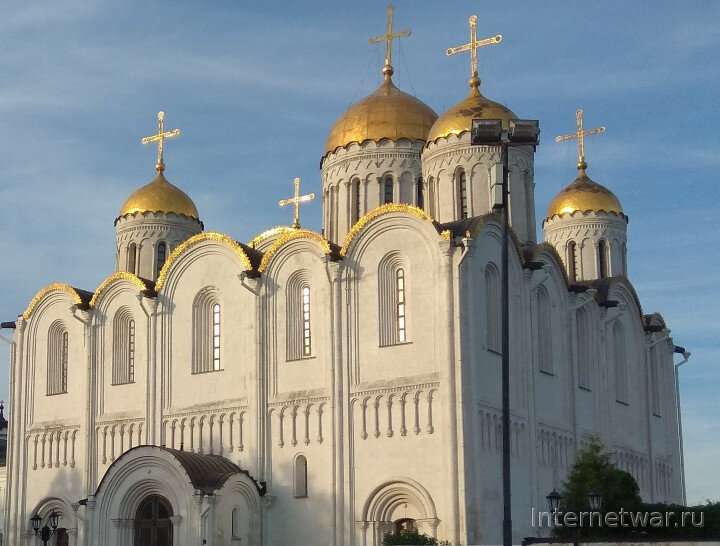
(490, 132)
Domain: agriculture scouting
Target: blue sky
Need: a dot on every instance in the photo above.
(256, 87)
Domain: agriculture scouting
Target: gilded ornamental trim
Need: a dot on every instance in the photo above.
(379, 211)
(55, 287)
(290, 236)
(194, 240)
(120, 275)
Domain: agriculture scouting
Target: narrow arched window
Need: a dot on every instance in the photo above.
(307, 347)
(123, 368)
(545, 354)
(355, 202)
(132, 258)
(57, 359)
(236, 523)
(301, 479)
(206, 336)
(393, 300)
(216, 336)
(400, 304)
(431, 196)
(583, 349)
(602, 259)
(161, 256)
(572, 261)
(298, 317)
(131, 352)
(620, 359)
(388, 190)
(420, 196)
(462, 194)
(492, 308)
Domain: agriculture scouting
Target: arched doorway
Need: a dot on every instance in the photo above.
(153, 526)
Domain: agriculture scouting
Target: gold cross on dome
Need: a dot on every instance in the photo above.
(159, 138)
(580, 136)
(473, 46)
(389, 36)
(296, 200)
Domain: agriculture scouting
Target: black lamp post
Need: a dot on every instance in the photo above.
(489, 132)
(45, 532)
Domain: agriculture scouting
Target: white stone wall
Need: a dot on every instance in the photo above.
(367, 164)
(404, 430)
(146, 230)
(444, 159)
(586, 230)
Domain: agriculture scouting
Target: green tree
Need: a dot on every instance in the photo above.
(594, 471)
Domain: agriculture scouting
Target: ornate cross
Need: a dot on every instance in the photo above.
(473, 46)
(296, 200)
(160, 137)
(389, 36)
(580, 136)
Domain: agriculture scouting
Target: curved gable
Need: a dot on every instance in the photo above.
(285, 238)
(389, 208)
(81, 298)
(247, 256)
(141, 285)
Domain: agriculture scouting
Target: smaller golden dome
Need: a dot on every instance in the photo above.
(584, 195)
(160, 196)
(386, 113)
(458, 119)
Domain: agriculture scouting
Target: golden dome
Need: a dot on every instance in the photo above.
(386, 113)
(459, 118)
(584, 195)
(160, 196)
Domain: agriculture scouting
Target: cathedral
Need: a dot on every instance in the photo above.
(329, 388)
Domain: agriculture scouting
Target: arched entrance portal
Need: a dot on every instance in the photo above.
(153, 526)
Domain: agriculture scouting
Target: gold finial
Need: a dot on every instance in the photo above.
(296, 200)
(160, 137)
(388, 37)
(473, 47)
(580, 136)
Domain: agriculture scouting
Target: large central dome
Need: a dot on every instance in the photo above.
(386, 113)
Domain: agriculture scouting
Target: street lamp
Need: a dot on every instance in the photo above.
(489, 132)
(595, 498)
(46, 532)
(553, 500)
(686, 357)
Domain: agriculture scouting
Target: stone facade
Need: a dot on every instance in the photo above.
(384, 431)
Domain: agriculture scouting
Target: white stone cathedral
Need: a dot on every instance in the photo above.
(307, 388)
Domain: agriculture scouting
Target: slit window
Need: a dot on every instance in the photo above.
(388, 189)
(462, 187)
(161, 256)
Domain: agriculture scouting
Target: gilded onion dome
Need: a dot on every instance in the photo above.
(160, 196)
(386, 113)
(584, 195)
(458, 119)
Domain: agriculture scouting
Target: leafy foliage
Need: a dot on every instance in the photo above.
(408, 537)
(594, 471)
